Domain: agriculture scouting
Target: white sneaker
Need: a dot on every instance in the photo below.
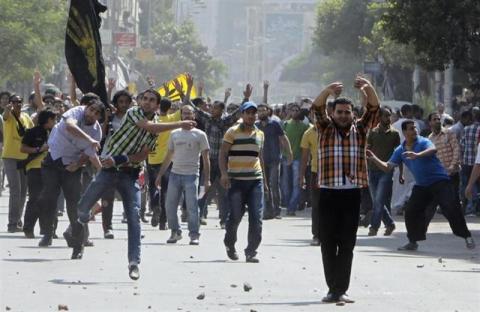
(470, 243)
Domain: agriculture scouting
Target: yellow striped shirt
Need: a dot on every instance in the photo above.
(244, 154)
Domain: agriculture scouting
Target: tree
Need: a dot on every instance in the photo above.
(440, 31)
(32, 35)
(178, 50)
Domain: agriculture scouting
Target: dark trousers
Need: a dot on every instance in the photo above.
(432, 207)
(339, 214)
(215, 187)
(441, 192)
(315, 198)
(157, 198)
(32, 210)
(54, 178)
(272, 197)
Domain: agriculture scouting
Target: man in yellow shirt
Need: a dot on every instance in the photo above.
(15, 124)
(309, 146)
(155, 160)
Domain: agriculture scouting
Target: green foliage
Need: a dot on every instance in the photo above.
(179, 50)
(31, 34)
(439, 31)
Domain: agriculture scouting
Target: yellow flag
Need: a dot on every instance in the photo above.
(173, 94)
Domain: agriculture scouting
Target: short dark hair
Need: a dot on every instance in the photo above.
(466, 114)
(154, 92)
(88, 97)
(220, 104)
(407, 122)
(165, 105)
(406, 109)
(119, 94)
(8, 94)
(198, 101)
(13, 96)
(431, 115)
(44, 116)
(97, 102)
(342, 100)
(384, 109)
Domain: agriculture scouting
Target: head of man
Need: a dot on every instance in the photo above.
(417, 111)
(343, 112)
(440, 108)
(295, 112)
(4, 98)
(249, 113)
(466, 118)
(200, 103)
(150, 101)
(165, 105)
(385, 116)
(217, 109)
(263, 112)
(434, 122)
(17, 103)
(188, 113)
(122, 101)
(231, 107)
(409, 130)
(406, 111)
(46, 119)
(94, 110)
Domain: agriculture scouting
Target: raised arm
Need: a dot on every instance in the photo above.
(320, 103)
(369, 96)
(228, 93)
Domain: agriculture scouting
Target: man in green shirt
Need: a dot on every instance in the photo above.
(291, 189)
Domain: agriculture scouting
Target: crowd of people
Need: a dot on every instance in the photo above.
(352, 164)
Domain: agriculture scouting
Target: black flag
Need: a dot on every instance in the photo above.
(83, 46)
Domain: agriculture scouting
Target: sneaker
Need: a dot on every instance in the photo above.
(88, 243)
(28, 234)
(45, 241)
(232, 253)
(133, 272)
(372, 232)
(315, 242)
(389, 229)
(203, 221)
(409, 247)
(194, 241)
(176, 236)
(77, 252)
(345, 298)
(470, 243)
(330, 298)
(155, 220)
(252, 259)
(108, 234)
(278, 217)
(124, 219)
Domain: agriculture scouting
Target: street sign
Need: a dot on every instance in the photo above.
(126, 40)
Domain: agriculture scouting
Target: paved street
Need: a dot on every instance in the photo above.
(442, 276)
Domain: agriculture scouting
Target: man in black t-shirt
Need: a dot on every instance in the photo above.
(34, 143)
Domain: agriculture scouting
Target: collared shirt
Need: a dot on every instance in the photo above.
(129, 138)
(426, 170)
(215, 129)
(448, 150)
(62, 144)
(341, 154)
(382, 142)
(161, 146)
(244, 155)
(310, 142)
(469, 143)
(272, 131)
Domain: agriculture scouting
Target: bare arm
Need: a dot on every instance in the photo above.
(285, 143)
(72, 91)
(156, 128)
(303, 166)
(228, 93)
(206, 169)
(428, 152)
(384, 166)
(320, 103)
(73, 129)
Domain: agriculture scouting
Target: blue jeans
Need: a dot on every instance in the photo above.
(245, 193)
(179, 184)
(126, 184)
(380, 188)
(291, 189)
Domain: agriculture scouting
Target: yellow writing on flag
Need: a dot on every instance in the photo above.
(173, 94)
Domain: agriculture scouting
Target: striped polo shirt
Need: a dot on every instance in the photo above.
(129, 138)
(244, 154)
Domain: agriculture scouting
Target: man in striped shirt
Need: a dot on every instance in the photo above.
(342, 172)
(126, 149)
(242, 151)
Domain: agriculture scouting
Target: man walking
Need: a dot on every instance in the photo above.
(432, 183)
(242, 173)
(184, 149)
(342, 172)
